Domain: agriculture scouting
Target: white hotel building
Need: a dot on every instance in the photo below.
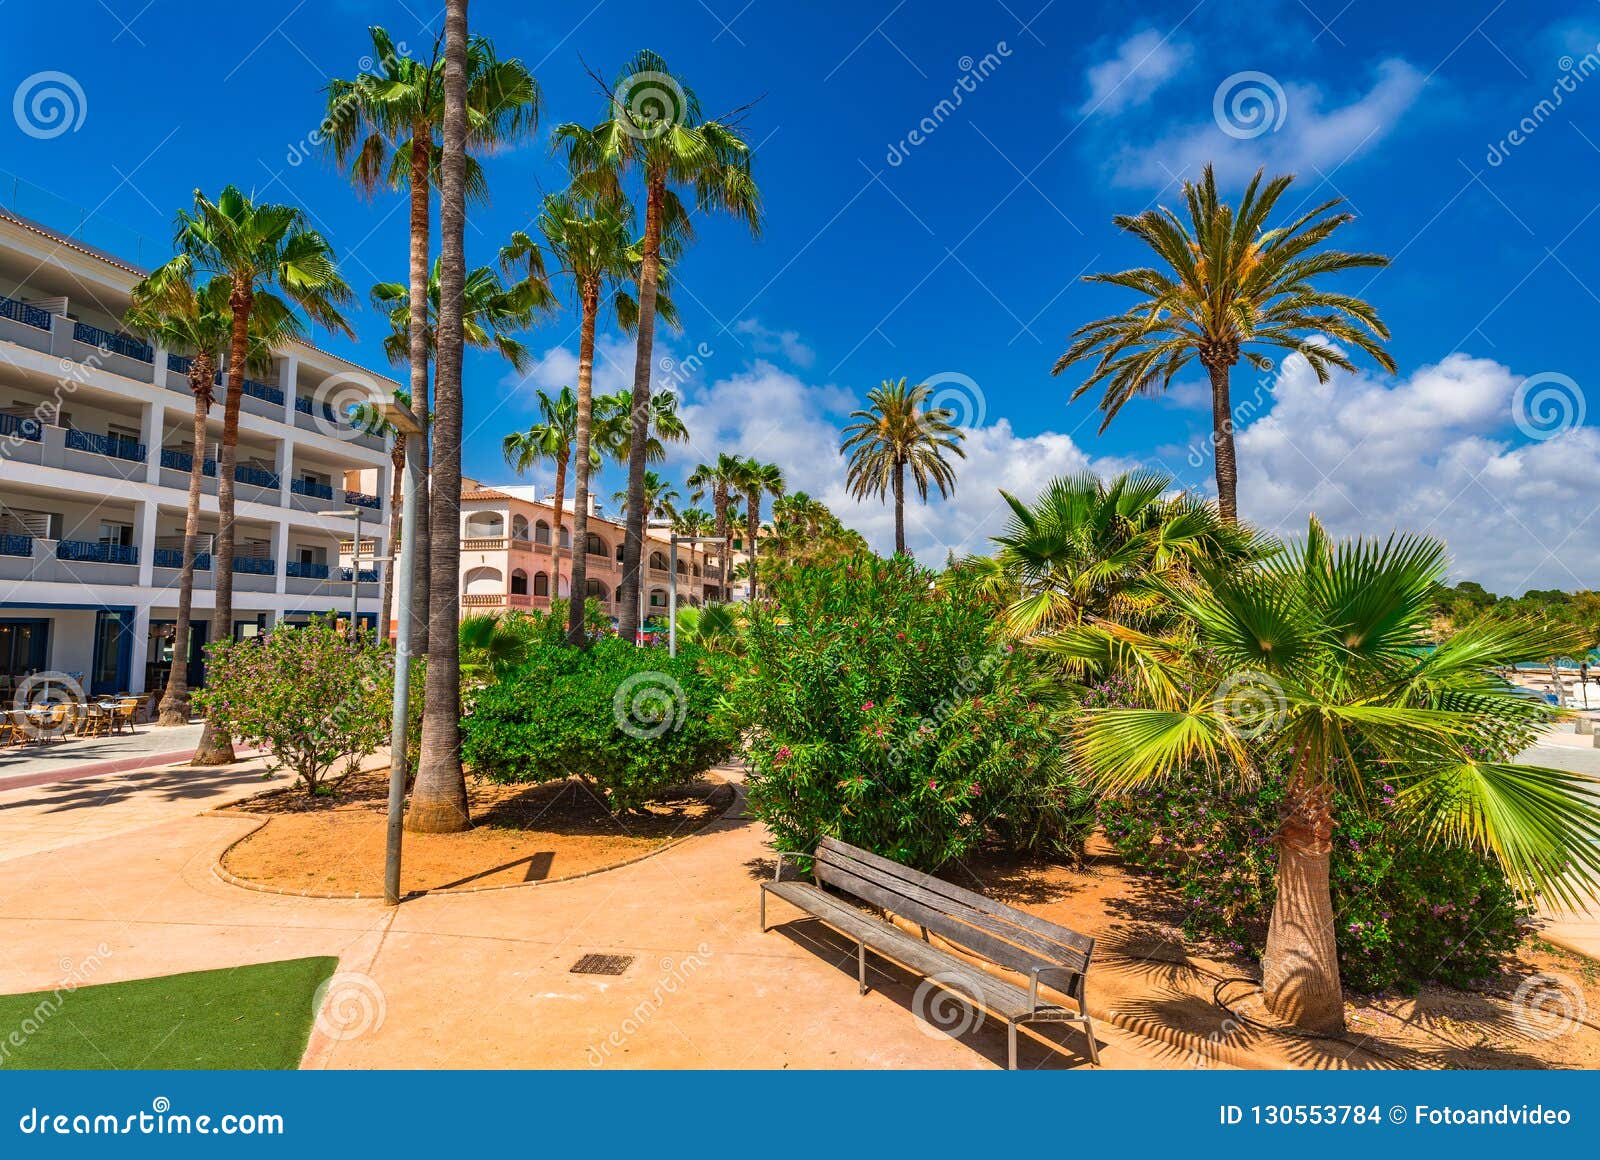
(95, 450)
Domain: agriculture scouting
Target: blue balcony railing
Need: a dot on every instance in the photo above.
(179, 363)
(123, 344)
(173, 558)
(177, 460)
(114, 446)
(311, 488)
(306, 571)
(257, 477)
(91, 552)
(24, 313)
(255, 389)
(19, 427)
(12, 544)
(302, 404)
(255, 565)
(368, 575)
(362, 499)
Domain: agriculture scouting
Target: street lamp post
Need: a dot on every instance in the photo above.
(672, 586)
(403, 422)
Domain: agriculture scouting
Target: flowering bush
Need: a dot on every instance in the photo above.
(1407, 912)
(630, 721)
(893, 715)
(309, 695)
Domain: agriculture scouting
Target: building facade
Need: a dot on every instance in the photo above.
(513, 555)
(96, 446)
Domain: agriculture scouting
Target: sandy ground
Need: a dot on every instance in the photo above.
(335, 844)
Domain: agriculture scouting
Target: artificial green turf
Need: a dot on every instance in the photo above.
(256, 1016)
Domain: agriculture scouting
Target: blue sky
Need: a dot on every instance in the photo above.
(956, 256)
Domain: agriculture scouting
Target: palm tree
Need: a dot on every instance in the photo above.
(254, 249)
(757, 479)
(719, 479)
(491, 313)
(385, 125)
(899, 430)
(198, 324)
(659, 498)
(550, 441)
(664, 425)
(653, 125)
(590, 243)
(1230, 284)
(1316, 661)
(1089, 548)
(693, 522)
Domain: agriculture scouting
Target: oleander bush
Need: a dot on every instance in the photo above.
(896, 716)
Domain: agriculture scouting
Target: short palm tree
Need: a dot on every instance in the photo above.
(664, 425)
(386, 125)
(550, 440)
(197, 324)
(899, 431)
(1228, 284)
(660, 498)
(256, 250)
(719, 480)
(757, 480)
(693, 522)
(1089, 548)
(1317, 661)
(653, 126)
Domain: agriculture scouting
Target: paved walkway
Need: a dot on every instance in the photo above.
(37, 763)
(118, 870)
(1577, 930)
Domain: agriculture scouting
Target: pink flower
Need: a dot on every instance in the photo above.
(866, 707)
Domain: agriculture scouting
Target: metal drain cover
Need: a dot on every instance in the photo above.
(601, 965)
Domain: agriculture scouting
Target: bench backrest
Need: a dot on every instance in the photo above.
(1000, 933)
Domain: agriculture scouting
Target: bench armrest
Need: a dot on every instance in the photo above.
(1045, 974)
(777, 874)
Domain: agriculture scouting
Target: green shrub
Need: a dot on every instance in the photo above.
(893, 716)
(630, 721)
(1406, 912)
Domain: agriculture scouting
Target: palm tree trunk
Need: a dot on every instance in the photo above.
(439, 798)
(577, 634)
(559, 505)
(719, 507)
(1222, 438)
(1300, 967)
(421, 200)
(752, 524)
(214, 749)
(899, 509)
(175, 701)
(633, 544)
(397, 458)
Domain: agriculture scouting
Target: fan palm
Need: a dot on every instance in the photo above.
(590, 243)
(757, 479)
(1229, 284)
(660, 498)
(386, 126)
(1089, 548)
(718, 480)
(256, 250)
(653, 126)
(899, 431)
(491, 314)
(197, 323)
(693, 522)
(549, 440)
(664, 425)
(1316, 661)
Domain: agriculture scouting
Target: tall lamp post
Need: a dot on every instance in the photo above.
(401, 419)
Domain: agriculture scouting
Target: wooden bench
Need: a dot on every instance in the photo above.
(1042, 952)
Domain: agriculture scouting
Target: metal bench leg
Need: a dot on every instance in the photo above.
(1094, 1048)
(763, 911)
(861, 966)
(1011, 1047)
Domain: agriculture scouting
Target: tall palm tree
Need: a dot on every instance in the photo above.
(719, 479)
(550, 441)
(663, 425)
(590, 242)
(899, 430)
(653, 126)
(385, 125)
(660, 498)
(197, 323)
(1316, 662)
(1090, 548)
(491, 313)
(256, 249)
(757, 479)
(1229, 284)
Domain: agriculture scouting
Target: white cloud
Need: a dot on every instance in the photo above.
(1432, 453)
(1312, 135)
(783, 342)
(1141, 64)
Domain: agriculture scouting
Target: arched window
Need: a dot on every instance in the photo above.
(483, 581)
(657, 560)
(519, 582)
(595, 546)
(566, 538)
(541, 584)
(619, 553)
(658, 598)
(541, 533)
(519, 527)
(697, 569)
(683, 569)
(596, 589)
(484, 526)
